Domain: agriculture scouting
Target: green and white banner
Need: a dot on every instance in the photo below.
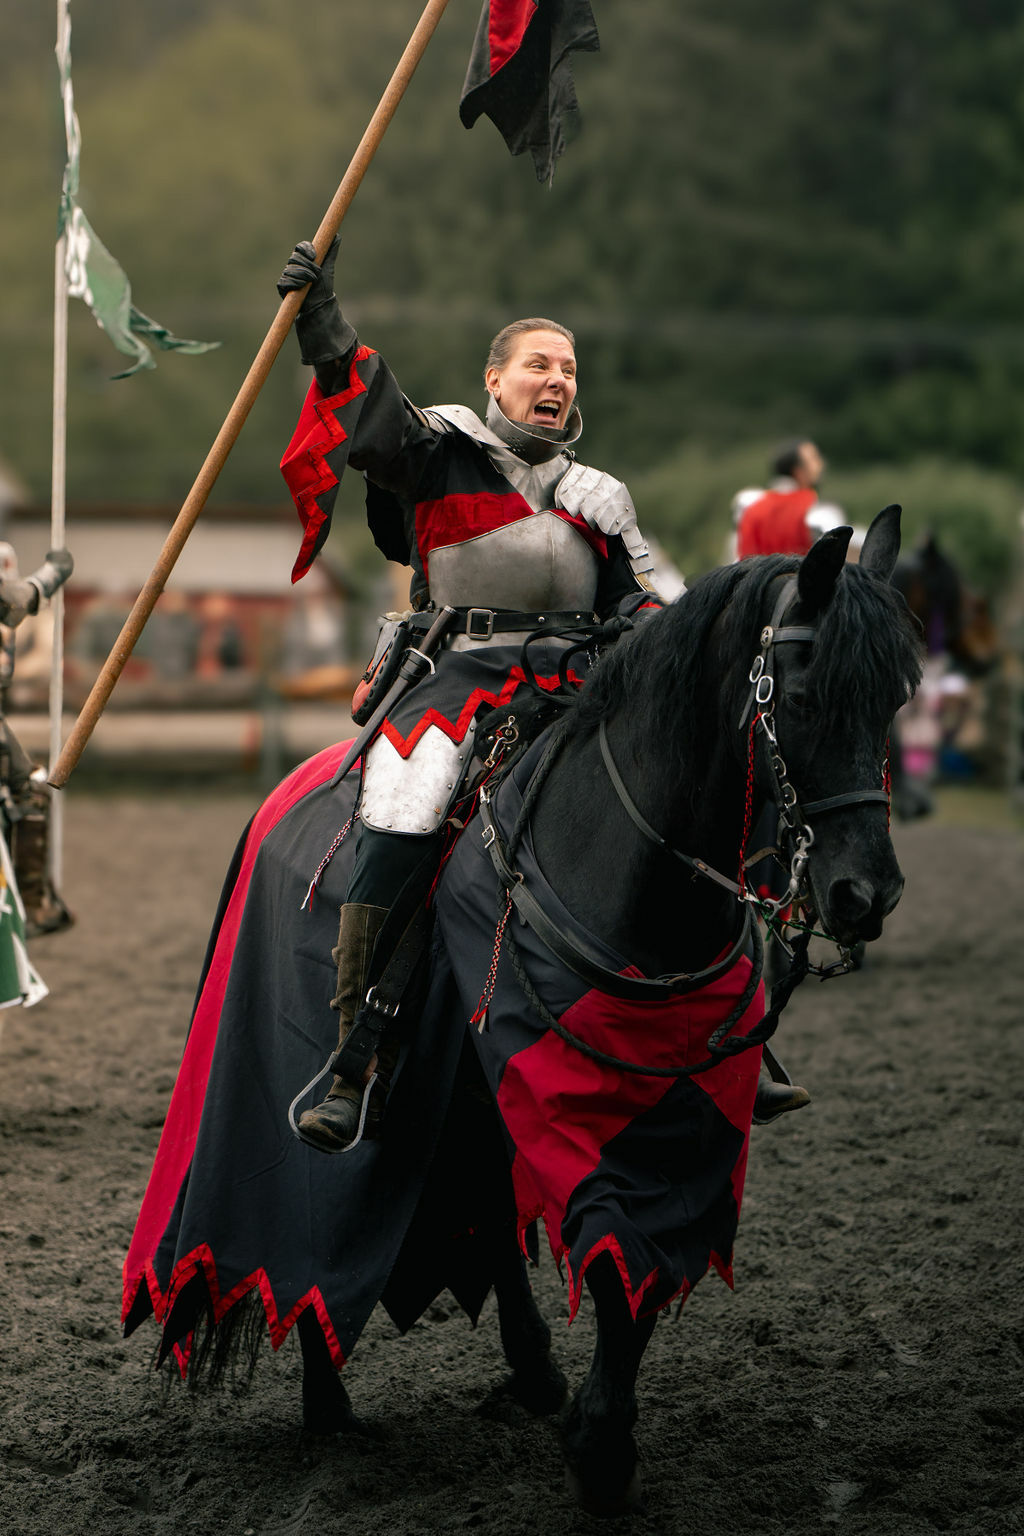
(93, 273)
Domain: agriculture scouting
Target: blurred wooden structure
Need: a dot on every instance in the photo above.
(229, 628)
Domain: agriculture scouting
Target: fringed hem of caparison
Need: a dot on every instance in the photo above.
(201, 1261)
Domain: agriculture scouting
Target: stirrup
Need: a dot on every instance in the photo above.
(364, 1106)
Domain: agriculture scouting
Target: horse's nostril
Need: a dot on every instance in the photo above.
(850, 900)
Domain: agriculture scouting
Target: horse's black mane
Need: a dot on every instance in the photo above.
(865, 657)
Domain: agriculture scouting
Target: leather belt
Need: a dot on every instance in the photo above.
(482, 623)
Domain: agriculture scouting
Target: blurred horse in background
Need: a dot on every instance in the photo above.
(961, 645)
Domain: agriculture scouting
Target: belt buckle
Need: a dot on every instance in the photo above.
(485, 616)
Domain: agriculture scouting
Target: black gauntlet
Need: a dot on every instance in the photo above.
(324, 333)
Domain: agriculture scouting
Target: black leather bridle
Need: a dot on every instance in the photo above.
(794, 825)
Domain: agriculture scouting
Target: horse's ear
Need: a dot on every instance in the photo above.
(820, 567)
(881, 545)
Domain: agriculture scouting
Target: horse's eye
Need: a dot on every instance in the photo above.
(798, 701)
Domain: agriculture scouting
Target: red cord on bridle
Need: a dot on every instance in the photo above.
(748, 809)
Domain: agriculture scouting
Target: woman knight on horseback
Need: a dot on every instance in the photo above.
(502, 525)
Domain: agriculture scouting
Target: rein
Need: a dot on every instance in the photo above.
(583, 961)
(514, 892)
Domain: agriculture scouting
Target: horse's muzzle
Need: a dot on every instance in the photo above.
(856, 909)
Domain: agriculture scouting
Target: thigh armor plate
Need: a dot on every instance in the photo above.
(412, 794)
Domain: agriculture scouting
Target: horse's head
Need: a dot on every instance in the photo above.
(835, 658)
(843, 658)
(954, 620)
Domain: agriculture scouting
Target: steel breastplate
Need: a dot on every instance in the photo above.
(539, 562)
(561, 481)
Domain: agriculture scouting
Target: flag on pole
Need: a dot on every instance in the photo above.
(520, 73)
(93, 273)
(20, 982)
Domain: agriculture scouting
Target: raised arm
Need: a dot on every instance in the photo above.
(393, 440)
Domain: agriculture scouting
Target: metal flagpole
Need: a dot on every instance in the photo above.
(243, 402)
(58, 482)
(58, 491)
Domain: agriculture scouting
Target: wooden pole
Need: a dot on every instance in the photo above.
(243, 402)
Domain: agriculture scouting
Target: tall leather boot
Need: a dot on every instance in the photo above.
(332, 1125)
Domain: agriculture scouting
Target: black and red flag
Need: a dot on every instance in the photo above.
(520, 73)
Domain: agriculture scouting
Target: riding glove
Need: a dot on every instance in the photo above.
(322, 329)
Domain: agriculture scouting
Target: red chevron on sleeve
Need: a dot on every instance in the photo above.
(315, 459)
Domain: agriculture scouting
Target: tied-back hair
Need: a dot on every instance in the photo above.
(501, 347)
(865, 657)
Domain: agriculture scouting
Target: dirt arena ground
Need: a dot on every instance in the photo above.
(865, 1376)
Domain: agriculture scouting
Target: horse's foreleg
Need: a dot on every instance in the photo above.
(537, 1381)
(326, 1406)
(597, 1439)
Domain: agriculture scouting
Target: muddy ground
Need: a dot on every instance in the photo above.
(865, 1376)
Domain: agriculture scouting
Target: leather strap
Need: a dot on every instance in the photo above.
(482, 623)
(577, 955)
(836, 802)
(399, 948)
(635, 815)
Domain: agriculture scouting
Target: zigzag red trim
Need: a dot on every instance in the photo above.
(201, 1258)
(456, 731)
(532, 1209)
(634, 1297)
(304, 464)
(178, 1138)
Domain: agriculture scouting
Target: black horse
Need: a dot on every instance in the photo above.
(955, 620)
(957, 634)
(601, 918)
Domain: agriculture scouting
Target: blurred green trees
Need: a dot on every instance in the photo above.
(776, 219)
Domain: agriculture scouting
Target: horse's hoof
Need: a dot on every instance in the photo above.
(602, 1470)
(542, 1390)
(606, 1503)
(329, 1414)
(337, 1426)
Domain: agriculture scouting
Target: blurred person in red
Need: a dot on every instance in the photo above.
(788, 517)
